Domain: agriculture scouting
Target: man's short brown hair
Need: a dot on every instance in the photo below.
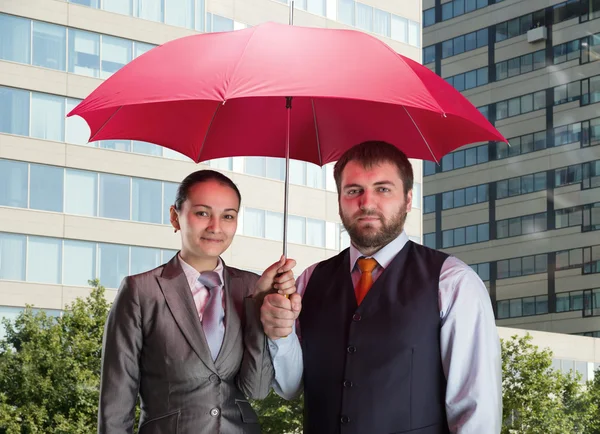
(371, 153)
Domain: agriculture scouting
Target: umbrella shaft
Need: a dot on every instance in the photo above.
(288, 106)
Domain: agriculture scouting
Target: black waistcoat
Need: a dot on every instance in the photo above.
(374, 368)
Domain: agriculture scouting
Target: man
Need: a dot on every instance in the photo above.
(414, 352)
(186, 336)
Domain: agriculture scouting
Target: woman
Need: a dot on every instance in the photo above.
(187, 335)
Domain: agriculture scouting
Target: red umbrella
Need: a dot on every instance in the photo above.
(228, 94)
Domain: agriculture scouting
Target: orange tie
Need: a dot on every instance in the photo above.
(366, 267)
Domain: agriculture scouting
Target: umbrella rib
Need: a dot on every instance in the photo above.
(104, 124)
(219, 104)
(312, 101)
(422, 136)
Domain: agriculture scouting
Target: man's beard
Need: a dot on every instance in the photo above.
(367, 236)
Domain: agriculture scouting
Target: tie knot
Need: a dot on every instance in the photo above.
(366, 265)
(210, 279)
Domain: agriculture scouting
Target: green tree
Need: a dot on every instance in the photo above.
(536, 398)
(278, 416)
(593, 388)
(50, 368)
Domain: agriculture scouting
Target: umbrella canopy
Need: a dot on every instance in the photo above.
(224, 94)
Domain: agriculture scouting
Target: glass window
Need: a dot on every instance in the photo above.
(180, 13)
(77, 130)
(482, 76)
(529, 306)
(503, 309)
(514, 107)
(471, 234)
(541, 304)
(429, 204)
(459, 7)
(502, 229)
(516, 307)
(169, 195)
(448, 200)
(459, 198)
(84, 53)
(526, 143)
(254, 222)
(429, 168)
(484, 271)
(346, 12)
(414, 32)
(79, 262)
(514, 227)
(501, 31)
(539, 181)
(514, 186)
(13, 183)
(459, 82)
(482, 38)
(315, 176)
(483, 154)
(114, 196)
(400, 33)
(81, 192)
(539, 100)
(141, 47)
(255, 166)
(514, 267)
(471, 156)
(562, 302)
(459, 236)
(46, 187)
(471, 79)
(315, 232)
(539, 59)
(146, 204)
(297, 172)
(428, 17)
(47, 117)
(44, 260)
(274, 226)
(526, 103)
(275, 168)
(14, 110)
(364, 17)
(123, 7)
(49, 45)
(459, 45)
(528, 265)
(514, 67)
(502, 268)
(483, 232)
(381, 22)
(150, 10)
(470, 41)
(15, 39)
(144, 259)
(113, 264)
(12, 256)
(318, 7)
(447, 48)
(482, 193)
(501, 110)
(428, 55)
(471, 195)
(429, 240)
(514, 28)
(459, 159)
(447, 238)
(116, 53)
(416, 198)
(447, 11)
(296, 229)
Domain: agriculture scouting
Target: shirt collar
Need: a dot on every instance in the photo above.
(192, 274)
(383, 256)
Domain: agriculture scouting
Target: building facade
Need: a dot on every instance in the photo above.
(72, 211)
(526, 217)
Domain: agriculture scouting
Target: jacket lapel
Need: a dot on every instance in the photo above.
(176, 290)
(233, 296)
